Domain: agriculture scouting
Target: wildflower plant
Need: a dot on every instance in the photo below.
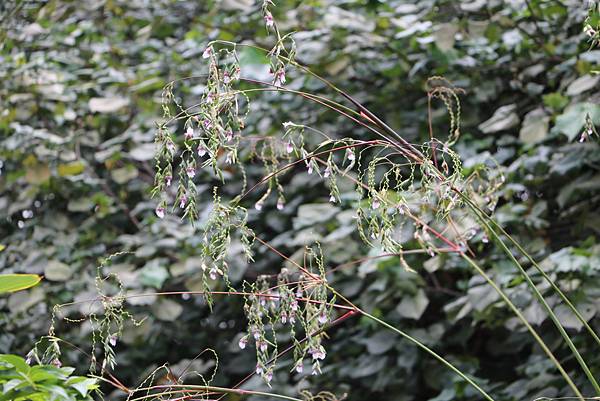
(398, 184)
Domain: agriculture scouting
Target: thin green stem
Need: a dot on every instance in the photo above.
(486, 222)
(542, 272)
(517, 312)
(417, 343)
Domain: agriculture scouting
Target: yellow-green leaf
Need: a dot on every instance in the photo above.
(17, 282)
(73, 168)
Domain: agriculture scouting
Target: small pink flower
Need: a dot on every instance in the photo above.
(207, 52)
(189, 133)
(242, 343)
(236, 74)
(300, 367)
(258, 206)
(168, 179)
(322, 318)
(255, 333)
(350, 154)
(269, 376)
(283, 317)
(375, 204)
(201, 150)
(279, 78)
(280, 204)
(226, 77)
(112, 340)
(207, 124)
(259, 369)
(289, 147)
(269, 21)
(190, 171)
(182, 201)
(160, 211)
(56, 363)
(327, 172)
(213, 273)
(171, 147)
(229, 134)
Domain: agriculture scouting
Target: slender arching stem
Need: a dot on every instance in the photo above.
(522, 318)
(417, 343)
(539, 296)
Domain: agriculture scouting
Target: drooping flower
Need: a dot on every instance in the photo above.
(171, 147)
(189, 133)
(213, 273)
(207, 124)
(160, 211)
(332, 199)
(269, 376)
(242, 343)
(229, 134)
(190, 171)
(183, 201)
(350, 154)
(279, 78)
(56, 363)
(300, 367)
(322, 317)
(201, 150)
(112, 340)
(258, 206)
(289, 147)
(168, 179)
(327, 172)
(207, 52)
(269, 21)
(280, 204)
(375, 204)
(226, 77)
(259, 369)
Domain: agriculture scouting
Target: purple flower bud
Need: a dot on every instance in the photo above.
(56, 363)
(269, 376)
(243, 342)
(160, 211)
(168, 179)
(262, 345)
(207, 124)
(289, 147)
(327, 172)
(279, 77)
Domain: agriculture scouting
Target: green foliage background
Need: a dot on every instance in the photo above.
(80, 95)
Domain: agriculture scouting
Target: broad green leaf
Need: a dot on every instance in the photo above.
(17, 282)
